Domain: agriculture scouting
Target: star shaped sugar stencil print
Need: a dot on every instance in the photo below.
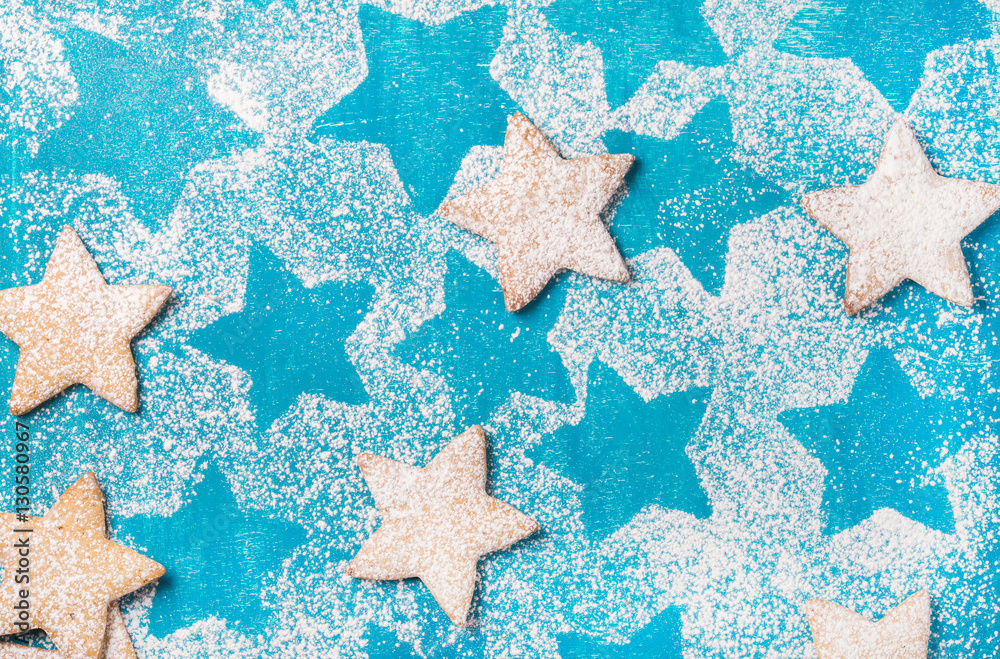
(485, 352)
(835, 29)
(727, 53)
(259, 340)
(635, 35)
(439, 73)
(775, 339)
(881, 448)
(138, 116)
(213, 539)
(772, 336)
(906, 222)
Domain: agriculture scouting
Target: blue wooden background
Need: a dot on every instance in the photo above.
(704, 448)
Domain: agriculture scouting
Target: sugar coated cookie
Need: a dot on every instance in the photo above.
(543, 213)
(437, 522)
(73, 328)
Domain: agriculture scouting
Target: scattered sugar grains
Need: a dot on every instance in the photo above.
(277, 68)
(40, 91)
(531, 65)
(775, 338)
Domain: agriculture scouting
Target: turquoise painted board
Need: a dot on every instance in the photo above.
(704, 448)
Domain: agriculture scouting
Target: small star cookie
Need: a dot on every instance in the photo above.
(437, 522)
(73, 328)
(543, 213)
(840, 633)
(76, 576)
(905, 222)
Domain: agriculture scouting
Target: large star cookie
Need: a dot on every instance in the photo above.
(437, 522)
(543, 213)
(905, 222)
(840, 633)
(73, 328)
(75, 576)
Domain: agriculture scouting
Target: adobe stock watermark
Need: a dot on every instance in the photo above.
(22, 531)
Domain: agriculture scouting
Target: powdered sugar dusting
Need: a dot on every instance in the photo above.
(437, 522)
(775, 338)
(904, 222)
(39, 88)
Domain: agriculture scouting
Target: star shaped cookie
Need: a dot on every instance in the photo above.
(73, 328)
(437, 522)
(75, 576)
(840, 633)
(905, 222)
(543, 213)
